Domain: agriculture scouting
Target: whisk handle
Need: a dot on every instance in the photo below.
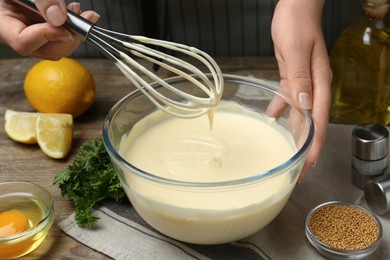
(75, 23)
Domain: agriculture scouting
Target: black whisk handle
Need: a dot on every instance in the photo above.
(75, 23)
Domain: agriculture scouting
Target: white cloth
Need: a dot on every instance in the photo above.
(121, 234)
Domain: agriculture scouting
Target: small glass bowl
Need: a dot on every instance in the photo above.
(36, 204)
(336, 253)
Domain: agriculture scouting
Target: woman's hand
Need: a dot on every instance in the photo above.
(304, 63)
(40, 36)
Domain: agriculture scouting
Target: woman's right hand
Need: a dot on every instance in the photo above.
(40, 36)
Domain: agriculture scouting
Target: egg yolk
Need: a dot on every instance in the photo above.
(12, 222)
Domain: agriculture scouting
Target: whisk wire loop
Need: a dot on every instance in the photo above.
(185, 65)
(140, 51)
(121, 51)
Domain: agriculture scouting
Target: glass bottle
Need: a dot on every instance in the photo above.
(360, 62)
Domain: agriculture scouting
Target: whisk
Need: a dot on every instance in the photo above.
(121, 48)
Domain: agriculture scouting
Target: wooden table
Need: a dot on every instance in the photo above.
(21, 162)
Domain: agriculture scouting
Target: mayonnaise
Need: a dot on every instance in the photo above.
(241, 144)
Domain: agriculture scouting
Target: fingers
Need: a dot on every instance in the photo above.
(297, 76)
(75, 7)
(91, 16)
(41, 39)
(33, 37)
(305, 71)
(58, 49)
(54, 11)
(322, 78)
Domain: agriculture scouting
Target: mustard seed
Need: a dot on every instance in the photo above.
(344, 227)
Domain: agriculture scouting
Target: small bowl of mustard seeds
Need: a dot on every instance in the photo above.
(341, 230)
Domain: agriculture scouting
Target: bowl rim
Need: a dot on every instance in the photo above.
(337, 252)
(259, 83)
(41, 224)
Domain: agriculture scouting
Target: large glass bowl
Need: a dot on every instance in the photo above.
(168, 205)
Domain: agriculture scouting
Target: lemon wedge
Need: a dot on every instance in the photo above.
(20, 126)
(54, 134)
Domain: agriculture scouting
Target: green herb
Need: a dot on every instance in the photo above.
(90, 179)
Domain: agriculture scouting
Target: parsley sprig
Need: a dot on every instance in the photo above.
(90, 179)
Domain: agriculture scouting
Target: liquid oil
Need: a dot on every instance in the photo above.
(360, 62)
(37, 214)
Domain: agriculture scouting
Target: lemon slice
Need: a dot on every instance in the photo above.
(20, 126)
(54, 134)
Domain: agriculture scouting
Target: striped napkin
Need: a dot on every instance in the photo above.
(122, 234)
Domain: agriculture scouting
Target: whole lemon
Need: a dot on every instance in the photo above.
(64, 86)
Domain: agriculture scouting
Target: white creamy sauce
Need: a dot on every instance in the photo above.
(240, 144)
(236, 147)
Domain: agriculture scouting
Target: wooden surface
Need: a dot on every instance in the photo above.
(21, 162)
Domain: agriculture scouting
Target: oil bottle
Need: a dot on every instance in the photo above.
(360, 62)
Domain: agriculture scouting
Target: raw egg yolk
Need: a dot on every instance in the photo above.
(12, 222)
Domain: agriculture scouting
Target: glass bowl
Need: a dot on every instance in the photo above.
(212, 212)
(36, 204)
(355, 218)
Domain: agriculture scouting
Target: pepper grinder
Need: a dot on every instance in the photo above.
(377, 194)
(369, 153)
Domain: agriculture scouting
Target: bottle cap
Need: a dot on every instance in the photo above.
(377, 194)
(375, 9)
(370, 142)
